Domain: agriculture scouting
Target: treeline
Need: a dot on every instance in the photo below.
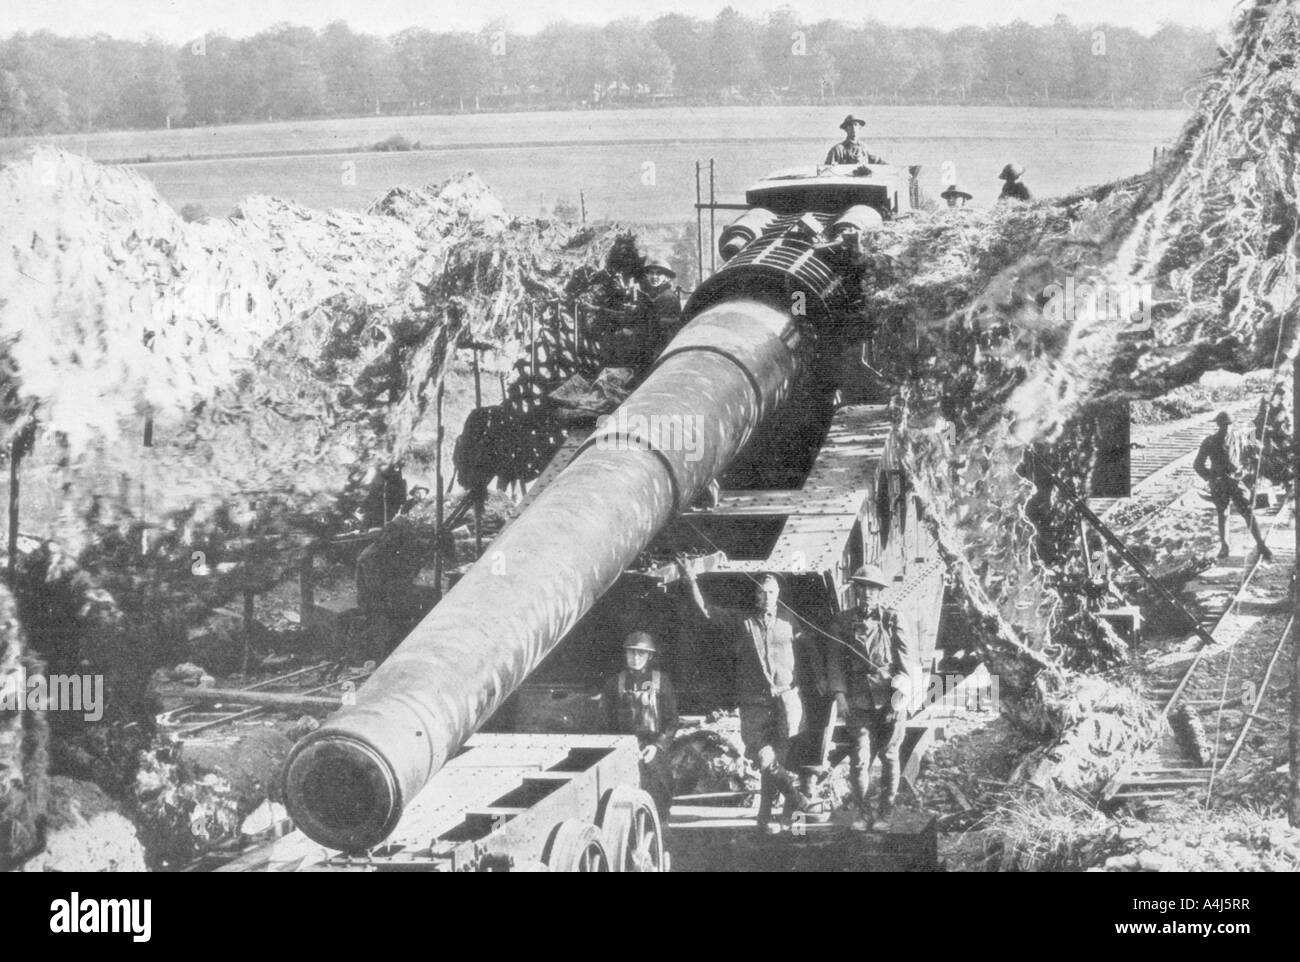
(50, 84)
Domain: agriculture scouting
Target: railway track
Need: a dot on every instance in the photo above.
(1215, 697)
(1161, 465)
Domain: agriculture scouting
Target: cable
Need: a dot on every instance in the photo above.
(781, 604)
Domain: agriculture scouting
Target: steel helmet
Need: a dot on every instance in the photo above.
(1223, 417)
(658, 264)
(1012, 172)
(870, 575)
(639, 641)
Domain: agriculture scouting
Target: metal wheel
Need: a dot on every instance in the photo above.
(629, 826)
(575, 846)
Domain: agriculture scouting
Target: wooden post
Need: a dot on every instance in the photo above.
(713, 214)
(249, 595)
(699, 225)
(582, 201)
(478, 501)
(1293, 813)
(15, 459)
(437, 474)
(306, 585)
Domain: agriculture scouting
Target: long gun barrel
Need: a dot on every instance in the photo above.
(348, 782)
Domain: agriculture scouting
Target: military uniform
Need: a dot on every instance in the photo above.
(1015, 190)
(874, 667)
(1218, 462)
(851, 152)
(769, 672)
(660, 316)
(643, 703)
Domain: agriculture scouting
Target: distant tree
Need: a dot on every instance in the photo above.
(1012, 52)
(965, 60)
(633, 60)
(925, 50)
(413, 50)
(1181, 60)
(213, 71)
(685, 40)
(287, 77)
(50, 83)
(1059, 44)
(733, 51)
(154, 95)
(15, 116)
(1114, 74)
(784, 43)
(348, 67)
(572, 58)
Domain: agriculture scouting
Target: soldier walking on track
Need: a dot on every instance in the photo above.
(1219, 462)
(770, 668)
(871, 673)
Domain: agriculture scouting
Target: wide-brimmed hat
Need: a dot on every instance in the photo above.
(851, 121)
(955, 191)
(1012, 172)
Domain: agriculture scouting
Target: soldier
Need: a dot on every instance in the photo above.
(1219, 462)
(871, 674)
(851, 150)
(955, 196)
(1012, 187)
(661, 306)
(640, 701)
(770, 668)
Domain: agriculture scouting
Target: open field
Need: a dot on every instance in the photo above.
(533, 159)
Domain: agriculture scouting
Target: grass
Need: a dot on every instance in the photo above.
(532, 160)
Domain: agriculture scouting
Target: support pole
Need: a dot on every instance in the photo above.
(248, 626)
(478, 501)
(437, 469)
(1293, 811)
(1131, 559)
(713, 214)
(699, 226)
(15, 459)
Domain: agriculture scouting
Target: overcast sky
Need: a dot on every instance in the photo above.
(180, 20)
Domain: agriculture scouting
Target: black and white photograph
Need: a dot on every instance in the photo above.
(666, 436)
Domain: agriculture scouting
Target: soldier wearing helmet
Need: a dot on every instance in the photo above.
(871, 672)
(661, 305)
(1218, 461)
(640, 701)
(851, 150)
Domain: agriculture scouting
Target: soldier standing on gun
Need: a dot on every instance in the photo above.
(870, 673)
(851, 150)
(1219, 462)
(769, 671)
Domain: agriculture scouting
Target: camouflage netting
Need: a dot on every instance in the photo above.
(221, 388)
(1212, 230)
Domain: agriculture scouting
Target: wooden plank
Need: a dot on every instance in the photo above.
(270, 699)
